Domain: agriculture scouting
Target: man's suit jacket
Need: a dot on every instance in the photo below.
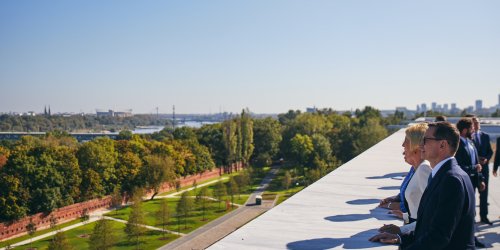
(484, 148)
(446, 212)
(497, 156)
(464, 160)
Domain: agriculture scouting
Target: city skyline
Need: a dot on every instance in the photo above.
(270, 57)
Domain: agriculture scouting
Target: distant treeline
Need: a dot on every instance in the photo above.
(44, 123)
(42, 174)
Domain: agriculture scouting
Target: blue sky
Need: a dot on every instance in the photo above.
(269, 56)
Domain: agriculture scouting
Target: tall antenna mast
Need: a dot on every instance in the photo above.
(173, 117)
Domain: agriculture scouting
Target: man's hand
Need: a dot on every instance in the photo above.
(391, 228)
(386, 238)
(479, 168)
(397, 213)
(482, 186)
(495, 173)
(483, 160)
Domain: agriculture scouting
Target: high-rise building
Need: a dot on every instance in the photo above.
(479, 105)
(445, 107)
(434, 106)
(499, 100)
(423, 107)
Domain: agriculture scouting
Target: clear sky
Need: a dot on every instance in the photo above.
(269, 56)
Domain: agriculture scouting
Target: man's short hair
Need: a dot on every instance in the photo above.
(464, 123)
(446, 131)
(440, 118)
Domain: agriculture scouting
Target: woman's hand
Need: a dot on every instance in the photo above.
(397, 213)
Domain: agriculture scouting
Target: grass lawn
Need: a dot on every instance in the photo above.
(37, 233)
(213, 211)
(152, 239)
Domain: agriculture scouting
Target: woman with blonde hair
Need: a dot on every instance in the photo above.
(412, 192)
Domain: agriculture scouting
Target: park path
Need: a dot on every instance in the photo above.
(98, 214)
(212, 232)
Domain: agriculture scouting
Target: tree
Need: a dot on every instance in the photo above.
(301, 149)
(220, 191)
(84, 217)
(163, 215)
(60, 242)
(31, 228)
(157, 170)
(100, 156)
(102, 236)
(230, 139)
(232, 189)
(287, 180)
(134, 228)
(116, 198)
(267, 139)
(184, 207)
(195, 185)
(201, 200)
(247, 145)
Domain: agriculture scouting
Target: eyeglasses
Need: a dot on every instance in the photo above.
(431, 138)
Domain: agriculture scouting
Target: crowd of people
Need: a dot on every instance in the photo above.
(437, 198)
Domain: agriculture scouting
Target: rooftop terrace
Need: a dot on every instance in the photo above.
(340, 210)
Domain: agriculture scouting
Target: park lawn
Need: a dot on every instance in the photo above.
(194, 221)
(37, 233)
(151, 240)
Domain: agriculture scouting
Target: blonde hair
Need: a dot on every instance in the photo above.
(415, 134)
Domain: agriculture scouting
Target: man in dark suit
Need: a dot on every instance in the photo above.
(466, 155)
(496, 164)
(446, 210)
(482, 142)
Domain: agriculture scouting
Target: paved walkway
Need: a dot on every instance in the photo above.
(210, 233)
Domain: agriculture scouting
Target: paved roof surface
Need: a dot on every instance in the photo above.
(340, 210)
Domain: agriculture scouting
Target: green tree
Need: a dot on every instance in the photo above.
(247, 146)
(201, 200)
(31, 228)
(60, 242)
(287, 180)
(220, 191)
(184, 207)
(163, 215)
(134, 228)
(232, 189)
(156, 171)
(301, 148)
(102, 236)
(230, 139)
(116, 198)
(267, 139)
(211, 136)
(100, 156)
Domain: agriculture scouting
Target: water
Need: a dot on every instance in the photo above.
(153, 129)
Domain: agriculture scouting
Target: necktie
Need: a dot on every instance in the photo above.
(429, 180)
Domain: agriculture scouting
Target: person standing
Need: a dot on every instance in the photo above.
(484, 151)
(466, 155)
(446, 210)
(496, 164)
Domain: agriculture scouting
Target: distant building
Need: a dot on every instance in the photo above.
(479, 105)
(423, 107)
(111, 113)
(311, 110)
